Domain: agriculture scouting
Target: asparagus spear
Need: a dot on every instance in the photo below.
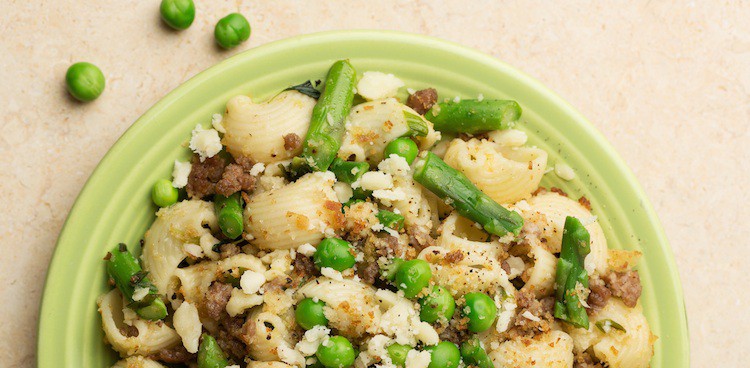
(348, 171)
(326, 130)
(473, 116)
(128, 275)
(474, 354)
(229, 213)
(390, 219)
(210, 354)
(453, 186)
(571, 272)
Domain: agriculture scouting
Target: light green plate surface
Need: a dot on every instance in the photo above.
(114, 206)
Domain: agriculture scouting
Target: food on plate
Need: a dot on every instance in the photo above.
(361, 233)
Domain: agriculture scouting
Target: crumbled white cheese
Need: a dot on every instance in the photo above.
(401, 320)
(457, 99)
(528, 315)
(480, 97)
(395, 194)
(207, 243)
(251, 281)
(180, 173)
(312, 339)
(435, 109)
(418, 359)
(257, 169)
(606, 326)
(205, 142)
(290, 356)
(411, 91)
(509, 137)
(343, 191)
(240, 301)
(394, 165)
(516, 266)
(506, 308)
(391, 232)
(217, 121)
(375, 180)
(564, 171)
(306, 249)
(188, 325)
(139, 293)
(331, 273)
(378, 85)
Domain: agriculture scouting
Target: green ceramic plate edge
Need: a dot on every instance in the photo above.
(114, 205)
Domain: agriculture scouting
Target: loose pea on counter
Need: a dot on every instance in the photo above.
(178, 14)
(85, 81)
(232, 30)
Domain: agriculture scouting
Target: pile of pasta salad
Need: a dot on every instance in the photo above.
(334, 225)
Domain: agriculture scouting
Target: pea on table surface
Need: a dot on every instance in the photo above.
(232, 30)
(85, 81)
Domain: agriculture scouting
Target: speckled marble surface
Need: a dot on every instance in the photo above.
(667, 82)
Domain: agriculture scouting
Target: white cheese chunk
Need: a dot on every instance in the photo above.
(252, 281)
(306, 249)
(180, 173)
(217, 121)
(376, 180)
(378, 85)
(343, 191)
(139, 293)
(188, 325)
(312, 340)
(394, 165)
(564, 171)
(418, 359)
(205, 142)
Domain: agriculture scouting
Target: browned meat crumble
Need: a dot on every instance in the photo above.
(422, 100)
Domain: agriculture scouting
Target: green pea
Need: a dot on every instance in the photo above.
(334, 253)
(438, 305)
(164, 194)
(337, 353)
(444, 355)
(481, 311)
(413, 276)
(404, 147)
(398, 353)
(310, 313)
(178, 14)
(85, 81)
(232, 30)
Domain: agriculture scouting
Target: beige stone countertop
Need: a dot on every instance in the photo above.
(667, 83)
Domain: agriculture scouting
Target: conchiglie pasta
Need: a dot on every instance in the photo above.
(302, 212)
(271, 333)
(555, 208)
(257, 130)
(505, 174)
(152, 336)
(351, 306)
(553, 349)
(372, 125)
(137, 361)
(542, 274)
(631, 348)
(195, 280)
(268, 365)
(164, 242)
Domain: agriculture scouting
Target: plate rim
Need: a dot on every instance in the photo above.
(337, 36)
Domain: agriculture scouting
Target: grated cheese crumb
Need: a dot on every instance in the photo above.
(564, 171)
(139, 293)
(257, 169)
(217, 121)
(528, 315)
(306, 249)
(480, 97)
(205, 142)
(378, 85)
(180, 173)
(252, 281)
(331, 273)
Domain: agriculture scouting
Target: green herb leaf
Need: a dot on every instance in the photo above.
(306, 88)
(417, 125)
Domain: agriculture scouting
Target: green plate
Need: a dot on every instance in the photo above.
(114, 206)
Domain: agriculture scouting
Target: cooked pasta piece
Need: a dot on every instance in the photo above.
(195, 280)
(268, 365)
(271, 333)
(257, 130)
(506, 174)
(188, 325)
(147, 337)
(137, 361)
(351, 306)
(302, 212)
(555, 207)
(164, 243)
(630, 346)
(372, 125)
(553, 349)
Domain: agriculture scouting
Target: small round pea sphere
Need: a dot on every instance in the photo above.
(404, 147)
(334, 253)
(444, 355)
(439, 304)
(178, 14)
(338, 352)
(85, 81)
(232, 30)
(413, 276)
(481, 311)
(398, 353)
(163, 193)
(310, 313)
